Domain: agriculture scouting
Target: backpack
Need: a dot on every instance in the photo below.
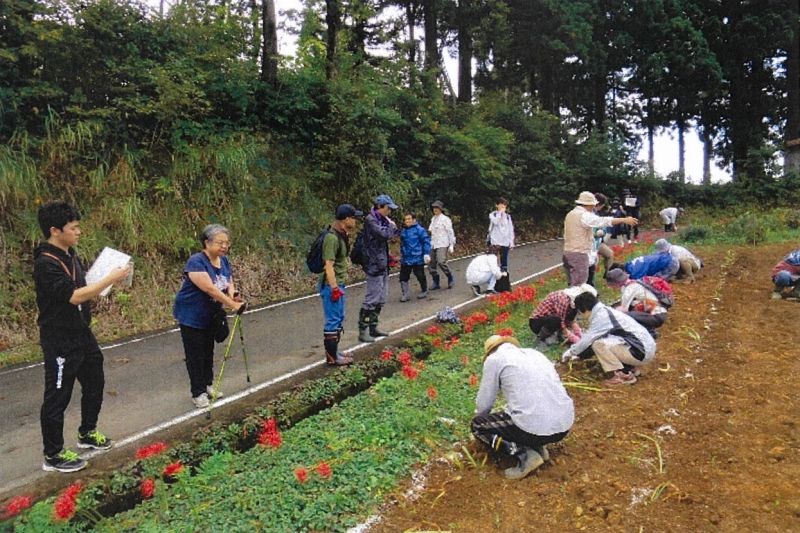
(357, 255)
(660, 288)
(314, 260)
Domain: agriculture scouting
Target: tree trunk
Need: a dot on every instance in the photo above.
(651, 149)
(411, 17)
(600, 91)
(269, 57)
(332, 19)
(431, 45)
(705, 138)
(682, 149)
(464, 52)
(255, 21)
(792, 134)
(161, 9)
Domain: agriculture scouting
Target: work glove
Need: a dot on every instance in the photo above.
(450, 248)
(427, 259)
(336, 293)
(572, 338)
(568, 357)
(392, 261)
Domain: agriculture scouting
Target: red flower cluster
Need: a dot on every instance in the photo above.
(506, 332)
(433, 330)
(404, 358)
(520, 294)
(525, 294)
(324, 470)
(270, 435)
(437, 343)
(464, 360)
(432, 394)
(149, 451)
(65, 505)
(173, 469)
(301, 474)
(387, 355)
(17, 505)
(479, 317)
(502, 317)
(148, 488)
(410, 372)
(452, 341)
(473, 380)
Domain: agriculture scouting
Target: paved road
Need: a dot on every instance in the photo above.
(147, 388)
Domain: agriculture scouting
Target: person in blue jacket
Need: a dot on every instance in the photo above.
(415, 251)
(661, 263)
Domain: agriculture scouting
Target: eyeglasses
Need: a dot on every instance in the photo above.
(221, 244)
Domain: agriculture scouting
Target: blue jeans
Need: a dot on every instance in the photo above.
(784, 278)
(333, 311)
(504, 258)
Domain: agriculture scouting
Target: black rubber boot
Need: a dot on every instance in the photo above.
(363, 326)
(451, 280)
(373, 324)
(435, 286)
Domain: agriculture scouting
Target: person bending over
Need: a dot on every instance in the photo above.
(786, 277)
(637, 301)
(553, 320)
(485, 270)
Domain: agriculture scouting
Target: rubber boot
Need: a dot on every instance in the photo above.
(529, 460)
(363, 326)
(373, 324)
(435, 286)
(451, 280)
(332, 354)
(404, 289)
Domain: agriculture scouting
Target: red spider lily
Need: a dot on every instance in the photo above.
(525, 294)
(452, 341)
(270, 436)
(433, 330)
(617, 249)
(404, 358)
(410, 372)
(270, 424)
(432, 394)
(506, 332)
(387, 355)
(17, 505)
(473, 380)
(148, 488)
(502, 317)
(465, 360)
(65, 505)
(151, 450)
(468, 328)
(476, 318)
(437, 343)
(301, 474)
(324, 470)
(173, 469)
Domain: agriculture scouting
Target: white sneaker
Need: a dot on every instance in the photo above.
(212, 394)
(200, 401)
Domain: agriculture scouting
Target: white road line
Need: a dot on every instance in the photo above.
(247, 392)
(258, 310)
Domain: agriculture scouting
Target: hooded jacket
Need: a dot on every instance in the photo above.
(415, 244)
(56, 275)
(377, 232)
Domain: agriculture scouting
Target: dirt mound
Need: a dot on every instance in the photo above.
(707, 440)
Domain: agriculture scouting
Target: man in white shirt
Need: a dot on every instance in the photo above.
(443, 241)
(579, 227)
(484, 270)
(669, 215)
(539, 411)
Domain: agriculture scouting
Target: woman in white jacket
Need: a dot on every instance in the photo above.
(501, 231)
(484, 269)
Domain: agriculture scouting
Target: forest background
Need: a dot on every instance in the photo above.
(157, 122)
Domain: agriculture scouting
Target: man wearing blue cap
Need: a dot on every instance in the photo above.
(378, 229)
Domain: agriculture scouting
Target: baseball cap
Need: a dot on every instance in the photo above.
(385, 199)
(346, 210)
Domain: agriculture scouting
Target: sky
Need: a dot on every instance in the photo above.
(666, 142)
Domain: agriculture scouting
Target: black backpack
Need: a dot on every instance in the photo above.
(314, 260)
(357, 255)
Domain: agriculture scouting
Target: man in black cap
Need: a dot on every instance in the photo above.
(443, 241)
(335, 251)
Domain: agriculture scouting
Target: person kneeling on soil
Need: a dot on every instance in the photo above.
(637, 301)
(689, 264)
(415, 251)
(553, 320)
(660, 263)
(786, 277)
(539, 411)
(485, 269)
(620, 343)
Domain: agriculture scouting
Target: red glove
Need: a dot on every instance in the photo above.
(336, 293)
(392, 261)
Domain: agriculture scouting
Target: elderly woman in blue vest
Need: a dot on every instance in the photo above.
(207, 287)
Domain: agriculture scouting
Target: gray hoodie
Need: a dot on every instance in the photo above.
(606, 321)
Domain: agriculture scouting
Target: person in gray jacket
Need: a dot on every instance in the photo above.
(620, 343)
(538, 411)
(378, 229)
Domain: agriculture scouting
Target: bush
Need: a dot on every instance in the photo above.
(695, 234)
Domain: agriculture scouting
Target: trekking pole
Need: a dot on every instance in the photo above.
(244, 351)
(222, 366)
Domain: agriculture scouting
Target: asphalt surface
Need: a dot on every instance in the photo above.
(147, 387)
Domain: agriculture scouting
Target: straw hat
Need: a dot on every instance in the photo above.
(494, 341)
(586, 198)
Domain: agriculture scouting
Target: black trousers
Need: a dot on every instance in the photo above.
(486, 427)
(198, 346)
(62, 366)
(419, 273)
(545, 326)
(647, 320)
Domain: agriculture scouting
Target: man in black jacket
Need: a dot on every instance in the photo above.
(70, 349)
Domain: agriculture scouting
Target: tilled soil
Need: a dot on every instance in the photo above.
(720, 404)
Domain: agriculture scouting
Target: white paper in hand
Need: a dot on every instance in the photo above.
(108, 260)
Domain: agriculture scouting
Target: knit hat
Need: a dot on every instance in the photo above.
(494, 341)
(663, 245)
(616, 276)
(586, 198)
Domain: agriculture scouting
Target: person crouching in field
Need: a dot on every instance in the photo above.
(485, 269)
(689, 264)
(620, 343)
(553, 320)
(660, 263)
(415, 251)
(539, 411)
(786, 277)
(637, 301)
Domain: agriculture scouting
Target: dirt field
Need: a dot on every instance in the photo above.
(721, 401)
